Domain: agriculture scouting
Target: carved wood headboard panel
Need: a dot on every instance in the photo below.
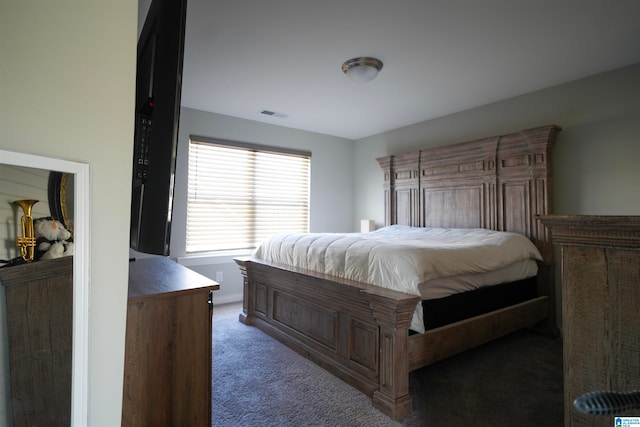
(499, 183)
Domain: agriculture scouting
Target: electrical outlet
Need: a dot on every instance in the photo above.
(218, 276)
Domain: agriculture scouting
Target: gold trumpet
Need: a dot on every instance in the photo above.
(26, 243)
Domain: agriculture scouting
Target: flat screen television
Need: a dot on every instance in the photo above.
(158, 92)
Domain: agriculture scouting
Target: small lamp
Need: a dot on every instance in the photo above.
(367, 225)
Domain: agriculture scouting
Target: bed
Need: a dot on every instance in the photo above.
(366, 334)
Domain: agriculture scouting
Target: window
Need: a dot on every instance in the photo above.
(239, 194)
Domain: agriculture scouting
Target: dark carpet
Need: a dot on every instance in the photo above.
(257, 381)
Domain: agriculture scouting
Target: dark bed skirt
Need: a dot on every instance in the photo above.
(443, 311)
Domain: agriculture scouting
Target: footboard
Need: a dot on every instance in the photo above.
(356, 331)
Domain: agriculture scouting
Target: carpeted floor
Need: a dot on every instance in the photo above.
(257, 381)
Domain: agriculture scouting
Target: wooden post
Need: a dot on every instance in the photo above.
(393, 317)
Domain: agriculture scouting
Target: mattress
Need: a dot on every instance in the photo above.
(401, 257)
(445, 286)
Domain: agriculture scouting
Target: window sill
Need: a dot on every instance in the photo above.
(211, 258)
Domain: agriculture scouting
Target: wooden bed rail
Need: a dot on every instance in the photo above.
(360, 333)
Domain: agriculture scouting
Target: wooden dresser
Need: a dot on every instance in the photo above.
(167, 372)
(39, 315)
(600, 307)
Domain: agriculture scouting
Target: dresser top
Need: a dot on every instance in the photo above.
(594, 230)
(158, 276)
(36, 270)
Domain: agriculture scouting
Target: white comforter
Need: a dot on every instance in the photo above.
(400, 257)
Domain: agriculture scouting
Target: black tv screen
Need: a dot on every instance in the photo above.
(158, 91)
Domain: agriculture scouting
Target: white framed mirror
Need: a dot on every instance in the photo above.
(81, 284)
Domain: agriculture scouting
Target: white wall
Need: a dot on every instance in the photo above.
(332, 195)
(66, 91)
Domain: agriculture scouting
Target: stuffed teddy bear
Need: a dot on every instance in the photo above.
(53, 240)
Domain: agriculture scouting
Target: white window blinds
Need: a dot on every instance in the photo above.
(239, 194)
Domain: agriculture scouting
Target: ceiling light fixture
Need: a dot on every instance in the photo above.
(362, 69)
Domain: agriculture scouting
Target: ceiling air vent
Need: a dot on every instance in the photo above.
(273, 113)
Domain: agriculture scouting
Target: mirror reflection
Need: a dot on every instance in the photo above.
(50, 195)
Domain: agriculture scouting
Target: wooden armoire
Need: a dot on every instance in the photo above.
(600, 307)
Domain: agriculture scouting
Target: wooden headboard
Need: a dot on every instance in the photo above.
(500, 183)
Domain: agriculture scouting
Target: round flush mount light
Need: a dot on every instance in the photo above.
(362, 69)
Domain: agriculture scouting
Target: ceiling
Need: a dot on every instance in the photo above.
(440, 56)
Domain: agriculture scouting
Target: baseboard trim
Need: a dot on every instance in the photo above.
(226, 299)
